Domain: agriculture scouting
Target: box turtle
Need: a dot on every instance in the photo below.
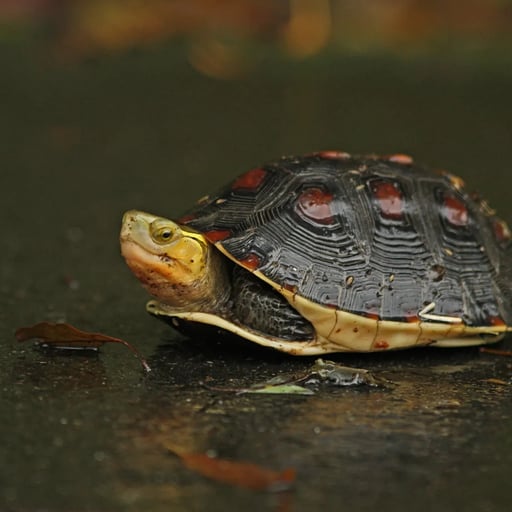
(330, 252)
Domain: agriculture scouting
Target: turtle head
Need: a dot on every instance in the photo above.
(175, 263)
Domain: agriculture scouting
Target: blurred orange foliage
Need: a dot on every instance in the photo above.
(216, 29)
(113, 24)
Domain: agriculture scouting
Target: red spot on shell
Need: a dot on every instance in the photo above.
(333, 155)
(496, 320)
(217, 235)
(381, 344)
(371, 315)
(400, 158)
(389, 198)
(315, 204)
(251, 180)
(454, 210)
(290, 287)
(501, 230)
(251, 262)
(186, 218)
(411, 319)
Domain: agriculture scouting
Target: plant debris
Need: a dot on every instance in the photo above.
(239, 474)
(499, 382)
(496, 351)
(65, 336)
(322, 372)
(338, 375)
(279, 389)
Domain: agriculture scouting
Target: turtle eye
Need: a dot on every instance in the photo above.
(161, 233)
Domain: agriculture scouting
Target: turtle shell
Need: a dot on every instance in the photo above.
(379, 237)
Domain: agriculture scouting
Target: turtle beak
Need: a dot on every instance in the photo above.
(126, 224)
(135, 225)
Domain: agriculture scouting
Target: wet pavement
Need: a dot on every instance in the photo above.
(84, 142)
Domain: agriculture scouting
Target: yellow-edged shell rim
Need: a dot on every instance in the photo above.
(341, 331)
(349, 332)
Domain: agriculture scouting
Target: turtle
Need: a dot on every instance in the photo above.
(332, 252)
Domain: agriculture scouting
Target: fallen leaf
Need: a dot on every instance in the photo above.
(279, 389)
(238, 474)
(325, 372)
(496, 351)
(66, 336)
(499, 382)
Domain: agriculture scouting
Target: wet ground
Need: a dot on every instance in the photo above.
(83, 142)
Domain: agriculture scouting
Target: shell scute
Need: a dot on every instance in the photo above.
(251, 180)
(388, 198)
(315, 204)
(453, 209)
(334, 229)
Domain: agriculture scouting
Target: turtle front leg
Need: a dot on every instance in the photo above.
(261, 308)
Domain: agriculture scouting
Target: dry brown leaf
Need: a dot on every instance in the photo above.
(499, 382)
(62, 335)
(496, 351)
(238, 474)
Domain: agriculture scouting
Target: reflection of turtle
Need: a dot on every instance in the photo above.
(328, 253)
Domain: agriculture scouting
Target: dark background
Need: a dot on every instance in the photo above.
(107, 106)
